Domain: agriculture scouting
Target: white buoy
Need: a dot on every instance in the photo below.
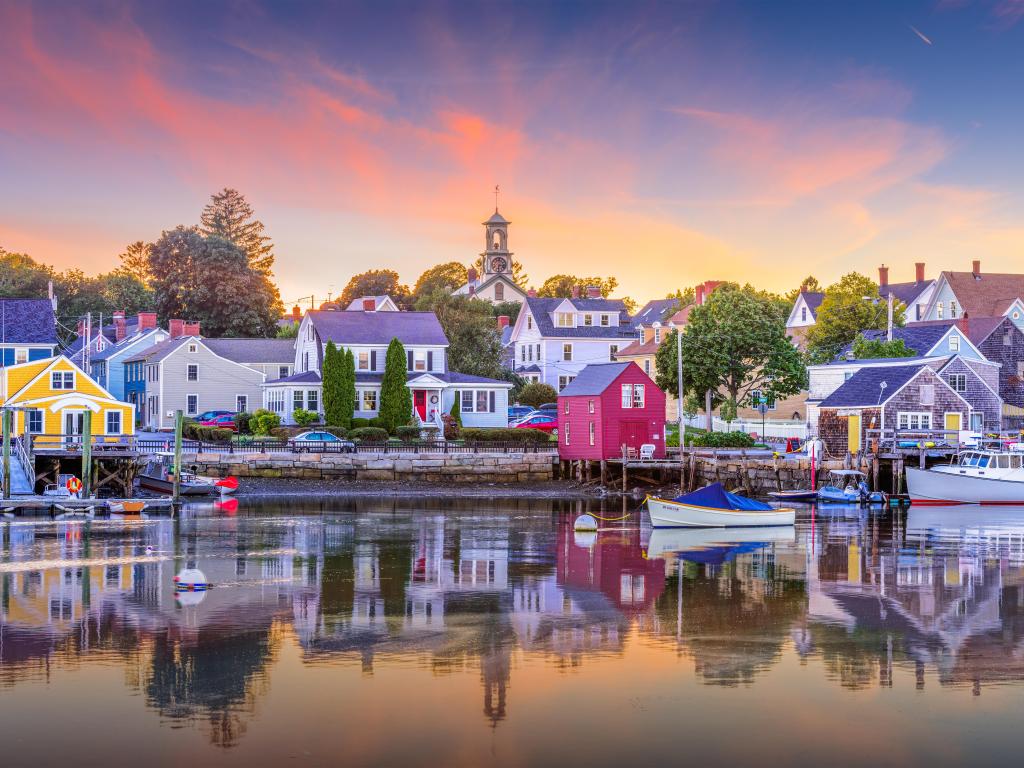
(585, 523)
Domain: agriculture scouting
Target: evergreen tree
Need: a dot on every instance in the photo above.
(333, 385)
(230, 216)
(135, 262)
(395, 397)
(348, 394)
(456, 412)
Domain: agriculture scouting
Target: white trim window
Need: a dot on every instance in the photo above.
(564, 320)
(363, 361)
(567, 352)
(34, 422)
(282, 371)
(477, 400)
(529, 322)
(605, 320)
(627, 395)
(592, 433)
(564, 381)
(590, 406)
(241, 403)
(313, 400)
(588, 320)
(954, 343)
(193, 348)
(938, 310)
(191, 405)
(113, 422)
(914, 420)
(298, 400)
(657, 335)
(952, 309)
(62, 380)
(20, 355)
(566, 433)
(613, 350)
(369, 400)
(958, 382)
(192, 372)
(275, 400)
(638, 395)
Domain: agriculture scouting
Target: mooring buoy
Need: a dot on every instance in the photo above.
(585, 523)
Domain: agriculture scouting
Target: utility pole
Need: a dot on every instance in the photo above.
(179, 419)
(679, 388)
(86, 454)
(888, 333)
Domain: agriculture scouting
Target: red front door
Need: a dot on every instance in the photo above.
(632, 434)
(419, 401)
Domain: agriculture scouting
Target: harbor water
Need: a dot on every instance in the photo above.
(466, 632)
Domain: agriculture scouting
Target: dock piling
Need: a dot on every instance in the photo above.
(86, 454)
(7, 453)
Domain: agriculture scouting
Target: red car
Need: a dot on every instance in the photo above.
(545, 422)
(225, 421)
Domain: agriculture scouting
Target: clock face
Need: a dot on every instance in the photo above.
(498, 264)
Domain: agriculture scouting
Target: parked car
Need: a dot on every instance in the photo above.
(549, 407)
(322, 442)
(517, 412)
(546, 422)
(224, 421)
(211, 415)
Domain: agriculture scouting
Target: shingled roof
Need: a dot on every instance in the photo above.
(27, 321)
(985, 294)
(594, 379)
(378, 327)
(541, 310)
(654, 311)
(253, 350)
(920, 338)
(864, 389)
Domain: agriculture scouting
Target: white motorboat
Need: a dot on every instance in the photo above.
(714, 507)
(974, 477)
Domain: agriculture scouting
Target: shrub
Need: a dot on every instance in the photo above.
(536, 394)
(336, 431)
(720, 440)
(193, 431)
(498, 435)
(242, 422)
(369, 435)
(452, 428)
(429, 432)
(263, 421)
(304, 418)
(358, 422)
(286, 433)
(456, 412)
(408, 433)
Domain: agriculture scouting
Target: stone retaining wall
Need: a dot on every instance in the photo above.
(425, 467)
(760, 476)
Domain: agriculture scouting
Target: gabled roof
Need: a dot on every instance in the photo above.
(654, 311)
(158, 352)
(419, 328)
(813, 300)
(986, 294)
(27, 321)
(636, 348)
(125, 343)
(920, 338)
(541, 310)
(864, 389)
(594, 379)
(356, 305)
(253, 350)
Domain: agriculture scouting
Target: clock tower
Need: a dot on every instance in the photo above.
(497, 257)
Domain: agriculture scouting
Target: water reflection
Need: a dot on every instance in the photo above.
(497, 591)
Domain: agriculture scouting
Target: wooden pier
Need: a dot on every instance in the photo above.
(52, 506)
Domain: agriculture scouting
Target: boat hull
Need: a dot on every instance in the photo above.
(674, 514)
(928, 487)
(167, 486)
(794, 495)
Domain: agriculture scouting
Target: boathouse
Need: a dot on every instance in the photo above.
(609, 406)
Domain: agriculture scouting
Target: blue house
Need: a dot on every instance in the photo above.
(130, 337)
(28, 330)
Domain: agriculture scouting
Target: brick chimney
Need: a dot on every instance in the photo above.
(369, 304)
(964, 324)
(503, 321)
(296, 314)
(575, 291)
(146, 320)
(190, 328)
(532, 293)
(698, 295)
(593, 292)
(976, 267)
(919, 268)
(177, 328)
(120, 326)
(471, 275)
(883, 276)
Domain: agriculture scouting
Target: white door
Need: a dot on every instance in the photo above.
(74, 425)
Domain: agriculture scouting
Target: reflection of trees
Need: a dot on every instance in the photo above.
(734, 626)
(213, 675)
(338, 584)
(394, 558)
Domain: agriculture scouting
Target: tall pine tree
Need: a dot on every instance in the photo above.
(348, 394)
(395, 397)
(333, 385)
(230, 216)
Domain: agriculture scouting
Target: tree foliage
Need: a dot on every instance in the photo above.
(508, 308)
(562, 286)
(447, 276)
(209, 279)
(474, 342)
(228, 215)
(287, 331)
(348, 387)
(734, 343)
(810, 284)
(333, 376)
(134, 262)
(395, 398)
(376, 282)
(21, 276)
(873, 349)
(536, 394)
(844, 313)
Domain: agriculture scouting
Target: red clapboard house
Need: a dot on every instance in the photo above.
(607, 406)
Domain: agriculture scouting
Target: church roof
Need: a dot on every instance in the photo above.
(497, 218)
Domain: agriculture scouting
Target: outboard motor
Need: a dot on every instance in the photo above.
(865, 493)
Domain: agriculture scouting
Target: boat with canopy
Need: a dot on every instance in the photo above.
(714, 507)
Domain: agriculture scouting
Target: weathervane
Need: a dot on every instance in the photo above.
(496, 190)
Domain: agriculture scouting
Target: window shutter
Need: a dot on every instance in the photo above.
(373, 359)
(408, 360)
(430, 360)
(490, 400)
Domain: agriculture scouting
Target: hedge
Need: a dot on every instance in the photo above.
(503, 435)
(193, 431)
(408, 434)
(369, 434)
(358, 423)
(336, 431)
(721, 440)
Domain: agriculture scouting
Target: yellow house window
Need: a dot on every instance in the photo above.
(113, 422)
(62, 380)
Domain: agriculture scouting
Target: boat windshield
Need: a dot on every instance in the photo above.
(991, 460)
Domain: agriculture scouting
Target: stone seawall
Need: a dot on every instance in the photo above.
(760, 476)
(423, 467)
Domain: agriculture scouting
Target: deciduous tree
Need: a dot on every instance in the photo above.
(866, 349)
(474, 342)
(376, 282)
(849, 307)
(562, 286)
(447, 276)
(537, 394)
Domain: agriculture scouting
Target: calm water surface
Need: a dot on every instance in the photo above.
(465, 632)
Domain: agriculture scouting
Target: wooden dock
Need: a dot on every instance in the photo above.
(52, 506)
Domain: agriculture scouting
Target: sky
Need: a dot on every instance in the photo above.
(660, 143)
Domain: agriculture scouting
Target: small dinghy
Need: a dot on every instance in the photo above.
(714, 507)
(803, 496)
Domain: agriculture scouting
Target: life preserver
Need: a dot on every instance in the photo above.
(73, 484)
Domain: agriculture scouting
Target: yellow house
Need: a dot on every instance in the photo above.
(51, 397)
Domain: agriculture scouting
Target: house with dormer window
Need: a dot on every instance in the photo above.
(367, 333)
(554, 339)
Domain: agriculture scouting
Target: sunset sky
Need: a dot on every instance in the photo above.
(664, 144)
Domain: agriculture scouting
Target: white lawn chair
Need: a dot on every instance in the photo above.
(647, 452)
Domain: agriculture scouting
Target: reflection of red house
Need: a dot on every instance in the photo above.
(615, 565)
(607, 406)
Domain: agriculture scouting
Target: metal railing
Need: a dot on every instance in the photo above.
(911, 440)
